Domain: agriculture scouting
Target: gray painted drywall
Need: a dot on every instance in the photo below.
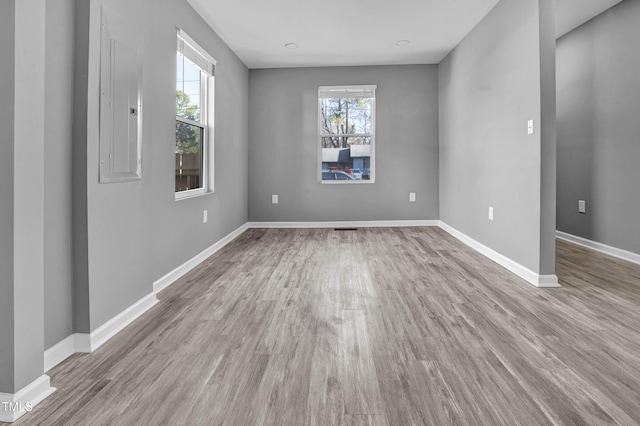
(80, 242)
(7, 69)
(548, 149)
(28, 196)
(490, 85)
(136, 232)
(598, 128)
(283, 154)
(58, 261)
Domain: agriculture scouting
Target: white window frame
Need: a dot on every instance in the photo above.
(192, 51)
(342, 92)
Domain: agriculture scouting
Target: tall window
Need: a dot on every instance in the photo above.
(194, 116)
(346, 127)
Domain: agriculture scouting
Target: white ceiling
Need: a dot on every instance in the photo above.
(358, 32)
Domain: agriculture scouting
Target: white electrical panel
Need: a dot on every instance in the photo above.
(120, 101)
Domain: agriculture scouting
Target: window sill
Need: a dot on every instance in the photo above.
(347, 182)
(186, 195)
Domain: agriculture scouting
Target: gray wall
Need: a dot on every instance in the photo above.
(58, 262)
(598, 128)
(7, 69)
(28, 196)
(80, 242)
(136, 232)
(490, 85)
(283, 154)
(548, 131)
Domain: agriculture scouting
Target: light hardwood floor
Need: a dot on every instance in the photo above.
(388, 326)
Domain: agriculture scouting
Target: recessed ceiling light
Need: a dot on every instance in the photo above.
(402, 43)
(291, 45)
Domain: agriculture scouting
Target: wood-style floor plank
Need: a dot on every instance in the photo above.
(361, 390)
(386, 326)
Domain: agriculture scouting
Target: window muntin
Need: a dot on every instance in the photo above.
(346, 123)
(194, 75)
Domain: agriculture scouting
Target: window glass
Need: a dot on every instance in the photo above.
(346, 122)
(188, 89)
(188, 156)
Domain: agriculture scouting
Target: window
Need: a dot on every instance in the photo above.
(346, 127)
(194, 119)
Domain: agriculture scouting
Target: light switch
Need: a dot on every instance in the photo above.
(204, 216)
(530, 127)
(274, 199)
(582, 206)
(412, 197)
(490, 213)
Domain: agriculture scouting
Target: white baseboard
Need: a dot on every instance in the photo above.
(542, 281)
(603, 248)
(87, 343)
(15, 405)
(109, 329)
(172, 276)
(83, 343)
(346, 224)
(547, 281)
(61, 351)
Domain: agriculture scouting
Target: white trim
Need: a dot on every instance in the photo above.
(83, 343)
(109, 329)
(346, 224)
(198, 50)
(542, 281)
(347, 181)
(163, 282)
(602, 248)
(191, 193)
(183, 120)
(548, 281)
(87, 343)
(348, 90)
(26, 398)
(77, 342)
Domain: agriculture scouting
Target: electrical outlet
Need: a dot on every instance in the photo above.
(274, 199)
(204, 216)
(582, 206)
(490, 213)
(412, 197)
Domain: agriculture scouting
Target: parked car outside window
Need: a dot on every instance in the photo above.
(357, 173)
(336, 175)
(337, 169)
